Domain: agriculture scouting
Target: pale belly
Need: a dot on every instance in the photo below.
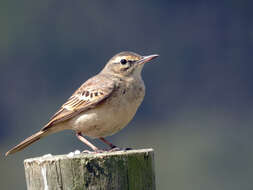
(107, 118)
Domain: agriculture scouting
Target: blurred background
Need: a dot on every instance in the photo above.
(197, 113)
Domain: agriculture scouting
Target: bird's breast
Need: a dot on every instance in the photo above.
(111, 115)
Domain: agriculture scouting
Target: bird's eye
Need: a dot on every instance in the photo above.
(123, 61)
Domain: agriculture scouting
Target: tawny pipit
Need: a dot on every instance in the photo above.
(103, 105)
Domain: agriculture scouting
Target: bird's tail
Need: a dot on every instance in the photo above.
(27, 142)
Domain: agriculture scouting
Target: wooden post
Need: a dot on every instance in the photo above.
(120, 170)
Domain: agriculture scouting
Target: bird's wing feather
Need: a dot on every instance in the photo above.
(90, 94)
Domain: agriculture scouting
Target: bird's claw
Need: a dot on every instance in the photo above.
(99, 151)
(114, 149)
(93, 152)
(126, 149)
(119, 149)
(87, 151)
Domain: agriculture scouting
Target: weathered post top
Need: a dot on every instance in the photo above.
(120, 170)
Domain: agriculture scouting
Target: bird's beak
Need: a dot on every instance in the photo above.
(146, 59)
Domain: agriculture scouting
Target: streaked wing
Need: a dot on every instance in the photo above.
(91, 93)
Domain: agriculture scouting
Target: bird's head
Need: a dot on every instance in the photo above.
(127, 64)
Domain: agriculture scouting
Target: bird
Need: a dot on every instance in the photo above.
(101, 106)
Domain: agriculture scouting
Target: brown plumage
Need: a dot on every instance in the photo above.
(103, 105)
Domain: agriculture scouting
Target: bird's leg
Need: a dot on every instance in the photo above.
(113, 147)
(107, 142)
(85, 141)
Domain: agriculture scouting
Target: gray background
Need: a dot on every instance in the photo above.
(197, 113)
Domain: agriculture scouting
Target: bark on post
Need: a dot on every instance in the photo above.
(130, 170)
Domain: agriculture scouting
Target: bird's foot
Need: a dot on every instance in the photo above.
(93, 152)
(114, 149)
(87, 152)
(126, 149)
(99, 151)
